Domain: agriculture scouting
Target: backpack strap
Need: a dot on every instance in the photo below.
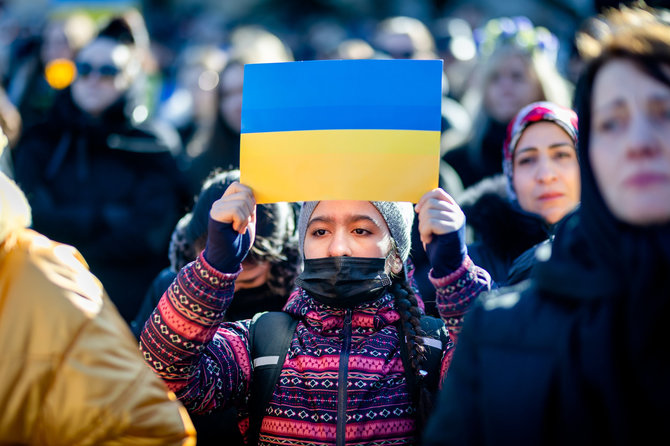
(435, 340)
(270, 335)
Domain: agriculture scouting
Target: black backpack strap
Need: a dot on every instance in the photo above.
(270, 335)
(435, 339)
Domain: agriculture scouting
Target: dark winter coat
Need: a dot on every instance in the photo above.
(502, 230)
(107, 186)
(561, 359)
(578, 355)
(475, 160)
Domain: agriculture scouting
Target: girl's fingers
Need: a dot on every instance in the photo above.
(237, 205)
(435, 194)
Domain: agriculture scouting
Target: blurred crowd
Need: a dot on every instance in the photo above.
(120, 123)
(163, 84)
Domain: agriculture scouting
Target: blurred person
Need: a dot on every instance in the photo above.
(512, 212)
(71, 371)
(517, 66)
(265, 281)
(35, 83)
(354, 48)
(269, 269)
(11, 127)
(344, 379)
(404, 37)
(10, 119)
(192, 106)
(323, 36)
(578, 355)
(511, 216)
(100, 178)
(455, 45)
(219, 145)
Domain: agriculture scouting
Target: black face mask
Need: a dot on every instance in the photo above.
(344, 282)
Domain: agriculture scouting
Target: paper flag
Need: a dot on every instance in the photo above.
(341, 130)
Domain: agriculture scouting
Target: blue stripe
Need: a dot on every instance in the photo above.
(343, 94)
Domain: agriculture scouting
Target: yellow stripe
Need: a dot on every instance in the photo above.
(384, 165)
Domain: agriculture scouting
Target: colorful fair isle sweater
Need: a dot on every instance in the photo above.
(207, 362)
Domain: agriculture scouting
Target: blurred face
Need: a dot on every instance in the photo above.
(201, 84)
(396, 45)
(231, 102)
(254, 274)
(510, 87)
(346, 228)
(102, 76)
(546, 172)
(630, 143)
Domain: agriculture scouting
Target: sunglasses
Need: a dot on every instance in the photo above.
(105, 70)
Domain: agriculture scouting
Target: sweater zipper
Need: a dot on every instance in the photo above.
(342, 381)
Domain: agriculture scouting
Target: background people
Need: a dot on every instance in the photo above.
(100, 176)
(517, 66)
(578, 354)
(268, 270)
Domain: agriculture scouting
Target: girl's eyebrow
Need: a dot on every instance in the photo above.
(349, 220)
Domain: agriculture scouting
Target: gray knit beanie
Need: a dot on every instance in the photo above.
(399, 216)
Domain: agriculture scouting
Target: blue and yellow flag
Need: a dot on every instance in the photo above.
(341, 130)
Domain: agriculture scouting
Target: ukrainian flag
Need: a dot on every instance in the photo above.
(345, 129)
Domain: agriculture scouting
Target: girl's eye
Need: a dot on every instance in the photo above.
(361, 231)
(318, 232)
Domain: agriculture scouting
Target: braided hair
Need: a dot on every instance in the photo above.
(407, 304)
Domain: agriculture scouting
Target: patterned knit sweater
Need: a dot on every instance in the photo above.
(207, 362)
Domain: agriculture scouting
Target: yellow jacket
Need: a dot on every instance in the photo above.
(70, 370)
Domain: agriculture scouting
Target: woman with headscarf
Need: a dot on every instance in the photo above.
(511, 213)
(579, 354)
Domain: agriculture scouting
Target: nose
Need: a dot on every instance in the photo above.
(642, 139)
(546, 172)
(339, 245)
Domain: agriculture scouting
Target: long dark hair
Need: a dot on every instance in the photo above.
(407, 304)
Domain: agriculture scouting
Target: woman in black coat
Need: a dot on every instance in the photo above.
(101, 179)
(579, 355)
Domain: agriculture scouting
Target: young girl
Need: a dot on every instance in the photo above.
(343, 380)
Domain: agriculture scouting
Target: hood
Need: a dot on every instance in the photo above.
(499, 223)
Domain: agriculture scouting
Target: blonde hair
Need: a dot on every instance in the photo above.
(14, 208)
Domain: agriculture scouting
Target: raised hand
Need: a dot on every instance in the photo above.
(232, 228)
(438, 214)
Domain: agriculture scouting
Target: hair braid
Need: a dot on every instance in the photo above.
(410, 314)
